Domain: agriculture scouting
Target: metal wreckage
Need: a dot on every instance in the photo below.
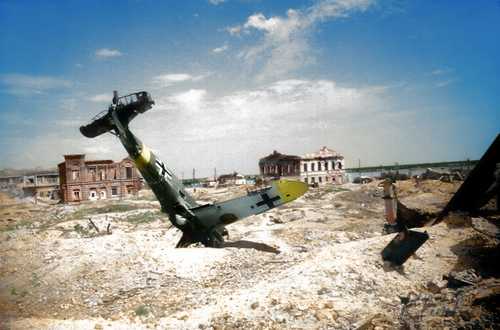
(198, 223)
(480, 186)
(206, 223)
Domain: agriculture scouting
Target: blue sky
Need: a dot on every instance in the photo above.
(380, 81)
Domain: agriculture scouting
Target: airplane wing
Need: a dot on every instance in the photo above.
(227, 212)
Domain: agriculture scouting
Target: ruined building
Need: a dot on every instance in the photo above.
(323, 166)
(39, 184)
(82, 180)
(277, 165)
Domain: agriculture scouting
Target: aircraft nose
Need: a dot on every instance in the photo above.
(290, 189)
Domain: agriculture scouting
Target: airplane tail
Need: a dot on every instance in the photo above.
(127, 108)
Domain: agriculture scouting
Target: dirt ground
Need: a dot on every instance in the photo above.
(312, 264)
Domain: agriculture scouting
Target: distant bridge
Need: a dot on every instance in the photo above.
(395, 167)
(409, 169)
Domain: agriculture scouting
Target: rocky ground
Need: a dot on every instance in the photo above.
(311, 264)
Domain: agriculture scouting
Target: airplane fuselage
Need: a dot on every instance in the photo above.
(198, 223)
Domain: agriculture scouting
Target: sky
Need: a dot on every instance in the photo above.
(378, 81)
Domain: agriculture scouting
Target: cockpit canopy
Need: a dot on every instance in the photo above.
(141, 101)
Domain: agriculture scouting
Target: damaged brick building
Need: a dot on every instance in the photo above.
(323, 166)
(82, 180)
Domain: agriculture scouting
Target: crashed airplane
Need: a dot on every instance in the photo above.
(198, 223)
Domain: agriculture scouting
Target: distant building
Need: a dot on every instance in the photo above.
(10, 181)
(40, 184)
(231, 179)
(278, 165)
(323, 166)
(209, 182)
(82, 180)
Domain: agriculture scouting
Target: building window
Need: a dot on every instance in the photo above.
(305, 167)
(102, 194)
(75, 174)
(128, 171)
(102, 175)
(319, 166)
(340, 165)
(93, 194)
(306, 180)
(312, 167)
(326, 165)
(320, 179)
(76, 194)
(114, 191)
(92, 173)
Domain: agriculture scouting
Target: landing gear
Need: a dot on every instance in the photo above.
(215, 238)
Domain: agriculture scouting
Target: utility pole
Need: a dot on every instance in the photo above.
(215, 173)
(194, 174)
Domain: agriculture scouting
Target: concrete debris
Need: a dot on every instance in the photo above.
(362, 179)
(463, 278)
(469, 307)
(313, 264)
(444, 176)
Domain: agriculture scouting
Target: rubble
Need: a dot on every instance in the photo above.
(313, 263)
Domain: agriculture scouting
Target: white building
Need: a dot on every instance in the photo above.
(324, 166)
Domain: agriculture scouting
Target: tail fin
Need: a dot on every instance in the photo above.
(127, 107)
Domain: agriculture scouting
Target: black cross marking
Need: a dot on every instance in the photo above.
(268, 201)
(163, 169)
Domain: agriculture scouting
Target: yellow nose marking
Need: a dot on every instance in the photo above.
(290, 190)
(144, 157)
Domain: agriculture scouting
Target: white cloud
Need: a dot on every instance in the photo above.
(216, 2)
(170, 79)
(234, 30)
(22, 84)
(98, 150)
(190, 100)
(220, 49)
(441, 71)
(293, 102)
(244, 125)
(284, 46)
(101, 98)
(195, 128)
(104, 53)
(444, 83)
